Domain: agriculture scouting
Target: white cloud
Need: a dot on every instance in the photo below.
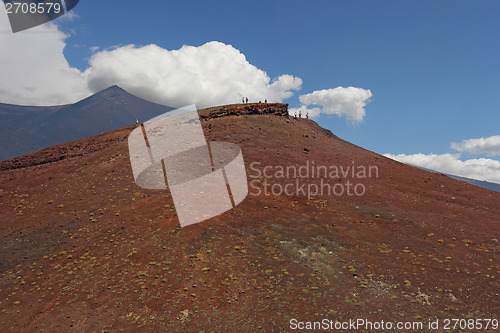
(33, 68)
(211, 74)
(489, 146)
(206, 75)
(481, 169)
(349, 102)
(34, 71)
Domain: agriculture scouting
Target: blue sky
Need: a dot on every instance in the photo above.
(432, 67)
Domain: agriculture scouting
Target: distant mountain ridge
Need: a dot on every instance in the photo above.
(479, 183)
(29, 128)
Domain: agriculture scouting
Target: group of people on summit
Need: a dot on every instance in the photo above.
(245, 100)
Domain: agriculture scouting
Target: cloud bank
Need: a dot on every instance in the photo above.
(481, 169)
(33, 68)
(35, 72)
(489, 146)
(211, 74)
(349, 102)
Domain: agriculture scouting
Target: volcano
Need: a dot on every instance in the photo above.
(84, 248)
(29, 128)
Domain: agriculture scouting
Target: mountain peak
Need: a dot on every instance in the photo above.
(115, 87)
(104, 111)
(112, 89)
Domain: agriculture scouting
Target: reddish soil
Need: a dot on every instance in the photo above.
(84, 249)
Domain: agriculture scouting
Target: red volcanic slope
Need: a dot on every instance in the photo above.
(83, 248)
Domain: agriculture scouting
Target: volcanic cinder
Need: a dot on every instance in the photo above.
(83, 248)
